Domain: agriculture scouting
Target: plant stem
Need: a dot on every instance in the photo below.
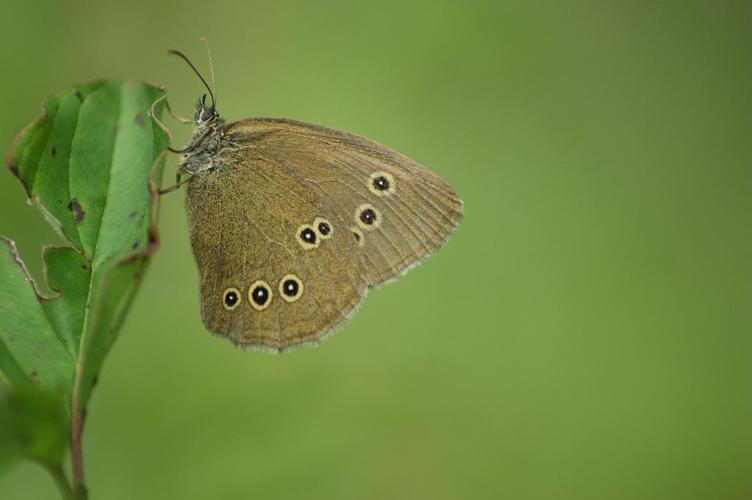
(76, 452)
(56, 471)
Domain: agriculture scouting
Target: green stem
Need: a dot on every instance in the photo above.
(56, 471)
(76, 450)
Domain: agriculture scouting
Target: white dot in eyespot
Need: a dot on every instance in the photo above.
(290, 288)
(382, 184)
(367, 217)
(307, 236)
(260, 295)
(231, 298)
(324, 228)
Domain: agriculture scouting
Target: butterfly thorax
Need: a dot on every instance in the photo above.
(200, 154)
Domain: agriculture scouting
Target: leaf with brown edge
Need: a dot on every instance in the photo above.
(90, 163)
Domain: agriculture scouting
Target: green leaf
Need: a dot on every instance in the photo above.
(31, 351)
(33, 424)
(87, 163)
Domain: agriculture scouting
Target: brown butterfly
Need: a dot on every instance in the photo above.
(292, 223)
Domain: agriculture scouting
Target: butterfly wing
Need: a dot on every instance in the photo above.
(409, 211)
(246, 221)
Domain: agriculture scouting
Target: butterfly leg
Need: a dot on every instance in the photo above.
(178, 182)
(177, 116)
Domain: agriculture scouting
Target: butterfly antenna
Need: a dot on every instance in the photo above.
(205, 41)
(183, 56)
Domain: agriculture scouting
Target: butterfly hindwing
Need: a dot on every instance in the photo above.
(245, 222)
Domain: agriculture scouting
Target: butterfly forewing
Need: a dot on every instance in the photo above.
(414, 214)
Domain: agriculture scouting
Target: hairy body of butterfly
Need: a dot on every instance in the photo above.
(292, 223)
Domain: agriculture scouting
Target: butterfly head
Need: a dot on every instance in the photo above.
(204, 114)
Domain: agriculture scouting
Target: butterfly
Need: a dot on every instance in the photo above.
(293, 223)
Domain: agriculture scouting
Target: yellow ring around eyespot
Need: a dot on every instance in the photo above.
(303, 243)
(363, 225)
(390, 179)
(282, 290)
(358, 236)
(316, 223)
(255, 285)
(237, 294)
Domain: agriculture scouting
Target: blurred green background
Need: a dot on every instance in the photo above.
(586, 333)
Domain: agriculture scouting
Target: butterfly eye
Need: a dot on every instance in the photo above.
(307, 237)
(231, 298)
(260, 295)
(381, 183)
(324, 228)
(290, 288)
(367, 217)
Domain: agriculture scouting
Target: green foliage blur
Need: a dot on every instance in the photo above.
(585, 334)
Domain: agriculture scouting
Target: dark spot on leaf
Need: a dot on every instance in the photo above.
(34, 376)
(78, 212)
(53, 151)
(140, 120)
(79, 96)
(94, 381)
(84, 266)
(13, 168)
(141, 222)
(135, 245)
(132, 215)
